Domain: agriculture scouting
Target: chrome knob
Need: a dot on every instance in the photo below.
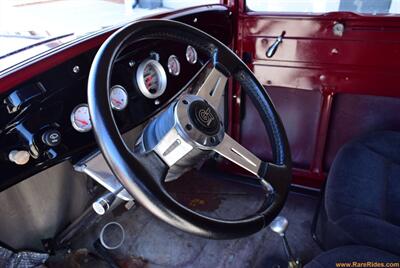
(103, 203)
(279, 225)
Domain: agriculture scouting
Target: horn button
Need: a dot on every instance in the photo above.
(198, 121)
(204, 117)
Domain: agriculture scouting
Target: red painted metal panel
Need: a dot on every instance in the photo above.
(322, 132)
(364, 61)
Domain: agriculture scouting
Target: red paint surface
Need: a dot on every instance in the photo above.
(322, 132)
(364, 61)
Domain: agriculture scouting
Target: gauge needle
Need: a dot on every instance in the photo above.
(117, 101)
(149, 80)
(82, 122)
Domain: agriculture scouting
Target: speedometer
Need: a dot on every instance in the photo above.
(151, 78)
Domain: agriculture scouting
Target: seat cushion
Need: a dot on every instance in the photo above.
(363, 191)
(350, 254)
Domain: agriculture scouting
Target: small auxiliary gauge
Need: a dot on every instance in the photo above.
(191, 55)
(174, 66)
(80, 118)
(151, 78)
(118, 98)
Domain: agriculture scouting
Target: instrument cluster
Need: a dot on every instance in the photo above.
(149, 79)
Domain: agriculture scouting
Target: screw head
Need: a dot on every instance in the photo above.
(76, 69)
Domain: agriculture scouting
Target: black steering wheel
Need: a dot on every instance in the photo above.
(188, 129)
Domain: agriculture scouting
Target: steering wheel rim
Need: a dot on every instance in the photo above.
(140, 173)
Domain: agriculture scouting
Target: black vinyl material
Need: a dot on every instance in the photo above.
(350, 254)
(362, 198)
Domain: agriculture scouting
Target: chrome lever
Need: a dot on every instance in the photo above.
(279, 226)
(274, 47)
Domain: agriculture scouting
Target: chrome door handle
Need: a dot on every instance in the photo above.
(274, 47)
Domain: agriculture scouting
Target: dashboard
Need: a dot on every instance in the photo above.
(45, 120)
(48, 117)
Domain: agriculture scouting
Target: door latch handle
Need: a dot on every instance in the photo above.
(274, 47)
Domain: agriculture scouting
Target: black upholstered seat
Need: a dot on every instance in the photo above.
(350, 254)
(361, 204)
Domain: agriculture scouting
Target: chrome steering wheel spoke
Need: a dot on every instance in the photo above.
(213, 88)
(236, 153)
(239, 155)
(209, 84)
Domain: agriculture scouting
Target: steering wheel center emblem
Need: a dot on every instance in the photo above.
(204, 117)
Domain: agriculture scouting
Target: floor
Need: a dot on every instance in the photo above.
(150, 242)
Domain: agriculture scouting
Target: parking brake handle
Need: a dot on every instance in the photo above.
(274, 47)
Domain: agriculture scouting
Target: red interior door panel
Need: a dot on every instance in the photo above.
(328, 87)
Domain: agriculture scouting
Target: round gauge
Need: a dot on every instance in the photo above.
(118, 98)
(191, 55)
(151, 79)
(80, 118)
(174, 66)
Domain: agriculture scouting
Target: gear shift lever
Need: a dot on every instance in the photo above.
(279, 225)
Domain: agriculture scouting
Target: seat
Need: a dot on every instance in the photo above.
(349, 254)
(361, 203)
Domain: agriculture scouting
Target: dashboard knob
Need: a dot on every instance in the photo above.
(19, 157)
(51, 137)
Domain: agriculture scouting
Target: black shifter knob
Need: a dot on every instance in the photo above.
(51, 137)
